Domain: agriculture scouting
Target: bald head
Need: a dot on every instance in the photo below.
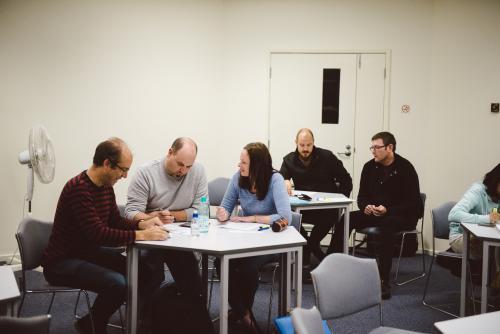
(111, 149)
(181, 156)
(305, 143)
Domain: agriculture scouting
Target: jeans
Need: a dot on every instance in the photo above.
(244, 281)
(103, 270)
(388, 227)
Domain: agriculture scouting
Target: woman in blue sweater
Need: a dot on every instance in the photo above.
(263, 199)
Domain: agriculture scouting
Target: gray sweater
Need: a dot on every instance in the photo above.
(152, 189)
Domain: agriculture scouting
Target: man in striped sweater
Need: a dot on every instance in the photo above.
(86, 224)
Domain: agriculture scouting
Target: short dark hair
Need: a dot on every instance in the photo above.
(304, 130)
(179, 143)
(491, 180)
(387, 138)
(110, 149)
(261, 169)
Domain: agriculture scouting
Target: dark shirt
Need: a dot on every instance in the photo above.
(86, 217)
(325, 172)
(395, 186)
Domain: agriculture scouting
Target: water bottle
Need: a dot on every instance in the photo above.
(204, 215)
(195, 225)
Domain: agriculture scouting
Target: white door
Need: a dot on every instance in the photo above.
(296, 101)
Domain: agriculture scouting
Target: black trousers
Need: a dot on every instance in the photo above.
(323, 221)
(388, 227)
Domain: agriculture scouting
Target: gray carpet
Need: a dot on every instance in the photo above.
(404, 310)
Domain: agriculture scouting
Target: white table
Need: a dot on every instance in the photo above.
(225, 244)
(321, 201)
(490, 236)
(488, 323)
(9, 292)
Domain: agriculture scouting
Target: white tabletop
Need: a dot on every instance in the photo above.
(319, 198)
(224, 241)
(482, 323)
(483, 232)
(8, 284)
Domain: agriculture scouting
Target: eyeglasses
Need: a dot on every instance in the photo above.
(123, 169)
(376, 147)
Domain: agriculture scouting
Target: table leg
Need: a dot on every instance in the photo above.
(484, 283)
(346, 229)
(224, 281)
(298, 274)
(465, 263)
(132, 264)
(204, 279)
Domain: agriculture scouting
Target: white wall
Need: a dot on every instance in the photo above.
(149, 71)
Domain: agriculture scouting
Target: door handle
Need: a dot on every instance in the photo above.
(347, 153)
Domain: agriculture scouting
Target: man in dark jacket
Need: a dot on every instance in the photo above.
(388, 198)
(315, 169)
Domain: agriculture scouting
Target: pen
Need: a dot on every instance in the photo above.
(262, 228)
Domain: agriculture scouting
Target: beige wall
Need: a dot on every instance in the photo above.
(149, 71)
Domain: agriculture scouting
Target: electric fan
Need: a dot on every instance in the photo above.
(40, 158)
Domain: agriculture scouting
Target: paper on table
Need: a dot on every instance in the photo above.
(240, 226)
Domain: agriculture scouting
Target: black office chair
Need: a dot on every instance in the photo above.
(32, 238)
(441, 230)
(32, 325)
(417, 231)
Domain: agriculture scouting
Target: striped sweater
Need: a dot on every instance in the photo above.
(86, 217)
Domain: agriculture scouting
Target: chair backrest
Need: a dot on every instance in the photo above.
(216, 190)
(296, 220)
(32, 325)
(121, 208)
(307, 321)
(440, 223)
(32, 238)
(345, 284)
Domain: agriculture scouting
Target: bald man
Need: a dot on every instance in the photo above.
(171, 189)
(315, 169)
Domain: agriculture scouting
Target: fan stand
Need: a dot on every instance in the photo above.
(30, 181)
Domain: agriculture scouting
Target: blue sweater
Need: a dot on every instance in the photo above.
(276, 203)
(474, 207)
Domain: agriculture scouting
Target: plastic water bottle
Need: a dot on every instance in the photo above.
(204, 215)
(195, 225)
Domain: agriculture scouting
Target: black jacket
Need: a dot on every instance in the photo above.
(396, 188)
(325, 173)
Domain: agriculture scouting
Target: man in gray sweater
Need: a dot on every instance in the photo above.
(171, 189)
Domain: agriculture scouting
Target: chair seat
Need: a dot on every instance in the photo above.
(284, 325)
(390, 330)
(374, 230)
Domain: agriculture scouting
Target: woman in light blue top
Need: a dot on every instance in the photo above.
(479, 205)
(263, 198)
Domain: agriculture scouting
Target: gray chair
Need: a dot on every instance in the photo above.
(32, 325)
(339, 294)
(441, 230)
(32, 238)
(216, 190)
(403, 234)
(307, 321)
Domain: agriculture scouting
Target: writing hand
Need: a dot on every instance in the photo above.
(221, 214)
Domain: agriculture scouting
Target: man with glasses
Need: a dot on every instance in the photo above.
(315, 169)
(87, 222)
(171, 189)
(388, 198)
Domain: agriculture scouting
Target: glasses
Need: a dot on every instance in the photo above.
(123, 169)
(376, 147)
